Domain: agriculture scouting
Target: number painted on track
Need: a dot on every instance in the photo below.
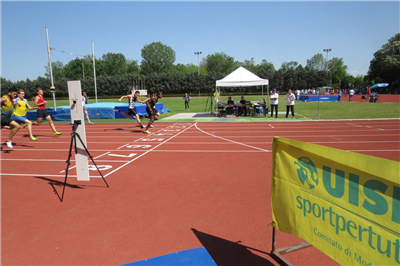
(138, 146)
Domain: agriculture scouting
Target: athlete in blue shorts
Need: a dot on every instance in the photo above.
(20, 111)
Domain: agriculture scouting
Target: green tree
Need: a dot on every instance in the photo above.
(249, 65)
(265, 70)
(220, 64)
(132, 67)
(385, 66)
(115, 64)
(157, 58)
(57, 69)
(74, 69)
(289, 65)
(316, 62)
(349, 80)
(337, 70)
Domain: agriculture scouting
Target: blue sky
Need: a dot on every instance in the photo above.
(276, 31)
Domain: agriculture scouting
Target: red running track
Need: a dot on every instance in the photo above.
(185, 186)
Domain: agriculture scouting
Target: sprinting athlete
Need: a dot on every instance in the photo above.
(7, 108)
(151, 110)
(20, 112)
(85, 101)
(133, 98)
(42, 112)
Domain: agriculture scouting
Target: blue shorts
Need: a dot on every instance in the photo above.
(18, 119)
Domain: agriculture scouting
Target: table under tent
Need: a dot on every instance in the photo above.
(242, 77)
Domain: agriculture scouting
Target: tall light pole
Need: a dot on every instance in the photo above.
(49, 49)
(94, 71)
(198, 64)
(327, 51)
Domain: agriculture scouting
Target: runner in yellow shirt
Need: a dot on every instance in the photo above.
(7, 107)
(20, 112)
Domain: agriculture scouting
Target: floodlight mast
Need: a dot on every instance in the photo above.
(198, 64)
(51, 70)
(94, 72)
(327, 51)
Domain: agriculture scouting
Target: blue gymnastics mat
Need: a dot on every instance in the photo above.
(191, 257)
(98, 110)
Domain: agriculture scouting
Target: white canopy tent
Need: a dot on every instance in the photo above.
(242, 77)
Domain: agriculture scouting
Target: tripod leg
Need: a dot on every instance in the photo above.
(91, 157)
(205, 108)
(68, 163)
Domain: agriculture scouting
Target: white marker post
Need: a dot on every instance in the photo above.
(75, 102)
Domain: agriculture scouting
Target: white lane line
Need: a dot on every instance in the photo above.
(88, 159)
(214, 151)
(230, 140)
(13, 174)
(134, 159)
(371, 127)
(57, 160)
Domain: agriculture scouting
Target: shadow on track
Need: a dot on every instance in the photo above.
(225, 252)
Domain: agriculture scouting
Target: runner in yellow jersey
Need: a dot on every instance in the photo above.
(7, 107)
(20, 112)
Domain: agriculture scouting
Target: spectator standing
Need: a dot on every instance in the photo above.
(351, 95)
(187, 99)
(290, 103)
(274, 103)
(373, 97)
(297, 94)
(339, 95)
(368, 92)
(216, 97)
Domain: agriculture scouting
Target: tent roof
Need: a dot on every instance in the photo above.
(241, 77)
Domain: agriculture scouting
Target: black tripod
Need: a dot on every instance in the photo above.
(317, 116)
(74, 135)
(211, 99)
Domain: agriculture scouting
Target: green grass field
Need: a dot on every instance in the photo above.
(303, 110)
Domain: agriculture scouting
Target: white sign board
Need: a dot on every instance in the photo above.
(142, 92)
(75, 102)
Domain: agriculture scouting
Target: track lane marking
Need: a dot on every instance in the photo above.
(230, 140)
(134, 159)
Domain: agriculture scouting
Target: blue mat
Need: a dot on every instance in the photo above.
(322, 98)
(98, 110)
(197, 256)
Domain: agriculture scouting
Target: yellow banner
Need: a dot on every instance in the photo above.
(345, 204)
